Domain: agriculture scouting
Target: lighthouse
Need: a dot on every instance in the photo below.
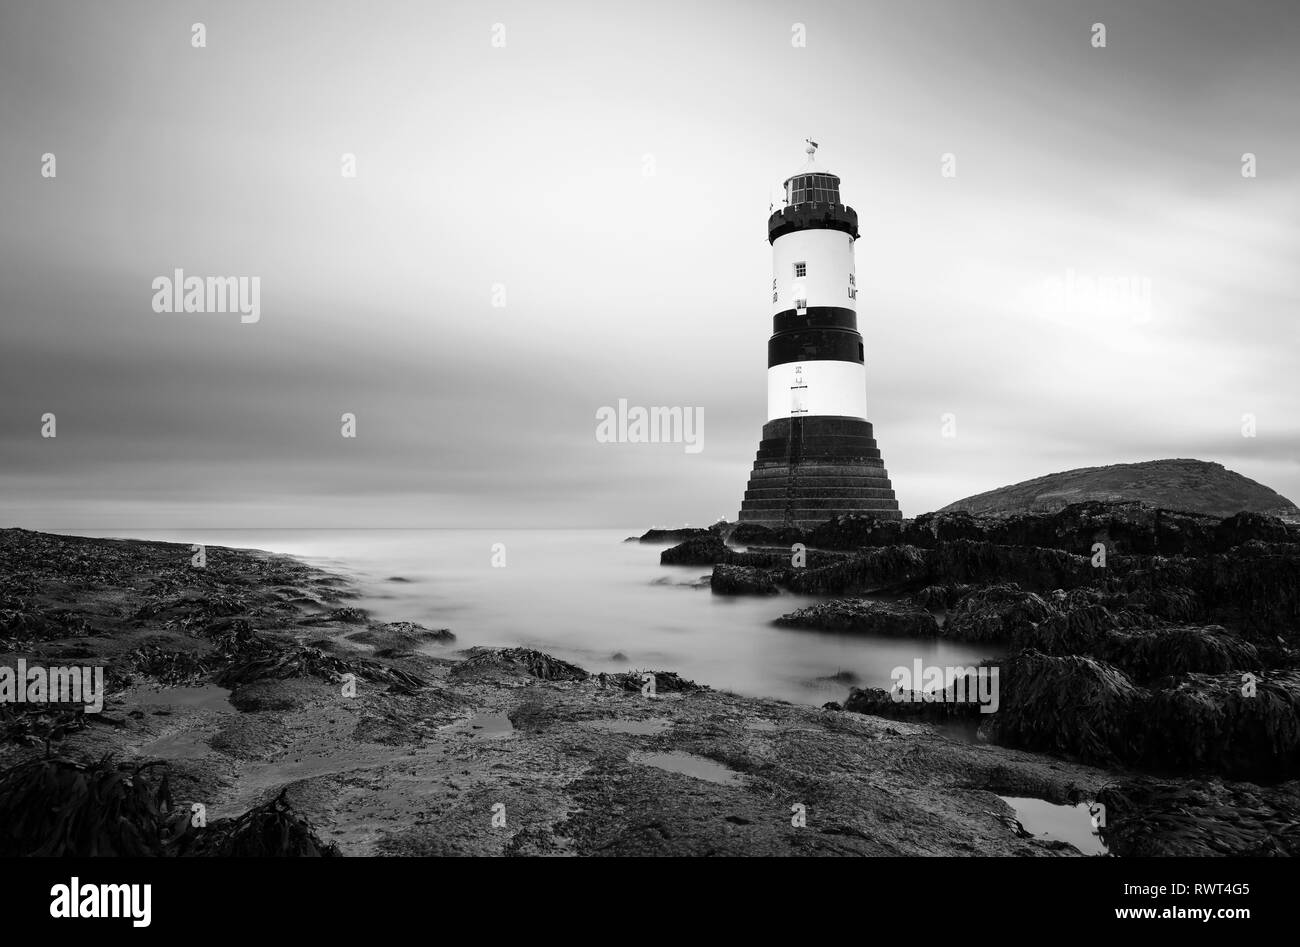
(818, 457)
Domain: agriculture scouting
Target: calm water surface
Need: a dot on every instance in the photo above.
(587, 596)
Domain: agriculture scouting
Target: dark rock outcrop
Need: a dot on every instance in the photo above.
(663, 536)
(941, 597)
(400, 636)
(870, 571)
(1003, 612)
(1244, 727)
(1122, 528)
(1148, 654)
(855, 531)
(699, 551)
(1071, 706)
(273, 829)
(523, 662)
(754, 534)
(668, 682)
(865, 616)
(741, 580)
(939, 706)
(1147, 817)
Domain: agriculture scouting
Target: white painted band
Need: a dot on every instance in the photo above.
(828, 280)
(800, 389)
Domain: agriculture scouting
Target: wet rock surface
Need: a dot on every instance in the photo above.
(661, 536)
(1152, 817)
(864, 615)
(741, 580)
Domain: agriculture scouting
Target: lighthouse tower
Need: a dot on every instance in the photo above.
(818, 457)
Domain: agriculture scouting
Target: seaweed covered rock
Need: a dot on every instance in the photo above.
(856, 531)
(1146, 654)
(869, 571)
(400, 637)
(663, 536)
(1244, 726)
(1247, 527)
(289, 661)
(939, 705)
(346, 615)
(701, 551)
(1175, 603)
(523, 662)
(959, 562)
(1068, 705)
(863, 615)
(1083, 629)
(755, 534)
(941, 597)
(166, 666)
(1122, 527)
(1151, 817)
(1036, 569)
(1257, 585)
(931, 529)
(22, 620)
(664, 681)
(1003, 612)
(60, 807)
(271, 830)
(741, 580)
(783, 557)
(41, 725)
(762, 558)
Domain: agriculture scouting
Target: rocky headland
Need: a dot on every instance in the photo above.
(1197, 486)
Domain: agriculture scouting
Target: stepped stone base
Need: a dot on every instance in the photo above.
(812, 469)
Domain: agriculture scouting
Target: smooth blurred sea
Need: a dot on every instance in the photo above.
(585, 595)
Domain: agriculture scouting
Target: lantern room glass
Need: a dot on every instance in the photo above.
(813, 189)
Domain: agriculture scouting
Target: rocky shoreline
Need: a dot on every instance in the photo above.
(250, 688)
(1162, 642)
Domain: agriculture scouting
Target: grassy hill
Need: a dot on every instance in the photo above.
(1196, 486)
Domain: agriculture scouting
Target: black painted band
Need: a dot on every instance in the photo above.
(815, 345)
(815, 317)
(812, 217)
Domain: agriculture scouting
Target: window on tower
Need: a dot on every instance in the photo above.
(800, 269)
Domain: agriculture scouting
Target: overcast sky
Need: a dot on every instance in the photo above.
(611, 166)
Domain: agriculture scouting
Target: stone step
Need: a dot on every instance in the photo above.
(870, 470)
(810, 425)
(806, 480)
(821, 492)
(843, 504)
(807, 519)
(819, 442)
(843, 455)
